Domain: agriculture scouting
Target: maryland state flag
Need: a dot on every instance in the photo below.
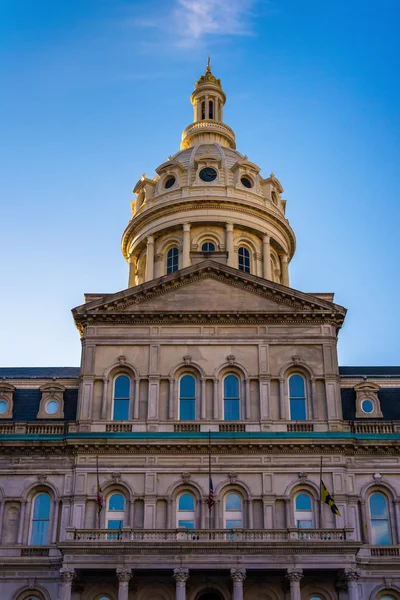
(326, 498)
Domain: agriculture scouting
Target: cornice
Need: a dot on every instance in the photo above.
(199, 202)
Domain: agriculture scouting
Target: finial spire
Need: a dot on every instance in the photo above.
(208, 65)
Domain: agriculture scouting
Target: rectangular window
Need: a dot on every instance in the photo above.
(187, 524)
(40, 532)
(187, 410)
(230, 523)
(121, 410)
(231, 409)
(298, 409)
(115, 524)
(304, 524)
(380, 532)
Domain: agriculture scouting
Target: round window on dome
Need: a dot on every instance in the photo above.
(367, 406)
(3, 406)
(246, 181)
(208, 174)
(52, 407)
(169, 182)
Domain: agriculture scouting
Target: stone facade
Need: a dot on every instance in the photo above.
(208, 363)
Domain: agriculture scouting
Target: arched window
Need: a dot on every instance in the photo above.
(379, 514)
(231, 398)
(297, 395)
(187, 398)
(233, 511)
(122, 392)
(208, 247)
(244, 259)
(210, 109)
(303, 514)
(40, 520)
(31, 595)
(203, 110)
(172, 260)
(186, 512)
(115, 511)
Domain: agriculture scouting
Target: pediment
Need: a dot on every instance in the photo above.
(213, 289)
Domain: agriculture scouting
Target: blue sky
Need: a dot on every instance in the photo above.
(96, 92)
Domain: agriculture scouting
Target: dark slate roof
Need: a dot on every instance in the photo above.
(369, 371)
(389, 399)
(39, 372)
(26, 405)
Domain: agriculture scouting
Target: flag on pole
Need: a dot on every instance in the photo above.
(211, 499)
(99, 497)
(326, 498)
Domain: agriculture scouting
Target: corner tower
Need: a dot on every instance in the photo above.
(208, 201)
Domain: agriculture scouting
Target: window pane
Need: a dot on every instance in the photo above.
(380, 532)
(298, 410)
(233, 523)
(187, 524)
(187, 410)
(188, 387)
(121, 410)
(115, 524)
(116, 502)
(231, 410)
(231, 386)
(378, 506)
(122, 387)
(41, 509)
(40, 531)
(208, 247)
(244, 260)
(172, 260)
(186, 502)
(303, 502)
(296, 386)
(304, 524)
(233, 502)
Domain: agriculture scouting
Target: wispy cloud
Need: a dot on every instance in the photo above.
(188, 22)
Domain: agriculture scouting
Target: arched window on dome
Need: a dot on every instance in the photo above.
(187, 398)
(231, 398)
(203, 110)
(185, 514)
(210, 109)
(172, 260)
(379, 520)
(233, 511)
(208, 247)
(303, 513)
(121, 398)
(244, 259)
(40, 520)
(297, 398)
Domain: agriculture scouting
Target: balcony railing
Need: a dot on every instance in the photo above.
(236, 535)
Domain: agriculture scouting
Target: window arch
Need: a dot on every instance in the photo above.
(208, 247)
(187, 398)
(303, 511)
(379, 520)
(185, 514)
(210, 109)
(40, 520)
(231, 398)
(297, 398)
(203, 110)
(244, 259)
(30, 595)
(233, 511)
(115, 514)
(121, 398)
(172, 260)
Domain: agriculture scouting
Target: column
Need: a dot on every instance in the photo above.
(294, 575)
(238, 576)
(123, 575)
(181, 575)
(132, 270)
(266, 257)
(56, 507)
(351, 576)
(66, 575)
(21, 528)
(247, 397)
(171, 399)
(229, 244)
(397, 515)
(186, 245)
(136, 398)
(203, 398)
(150, 259)
(216, 411)
(250, 513)
(1, 518)
(282, 399)
(285, 270)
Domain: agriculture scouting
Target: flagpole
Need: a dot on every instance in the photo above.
(98, 491)
(209, 478)
(320, 493)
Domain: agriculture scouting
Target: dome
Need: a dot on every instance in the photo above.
(208, 198)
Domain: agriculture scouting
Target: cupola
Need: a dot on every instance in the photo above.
(208, 100)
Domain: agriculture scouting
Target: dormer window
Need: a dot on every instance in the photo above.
(246, 182)
(169, 182)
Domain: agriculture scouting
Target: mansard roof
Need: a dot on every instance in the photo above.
(189, 296)
(39, 372)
